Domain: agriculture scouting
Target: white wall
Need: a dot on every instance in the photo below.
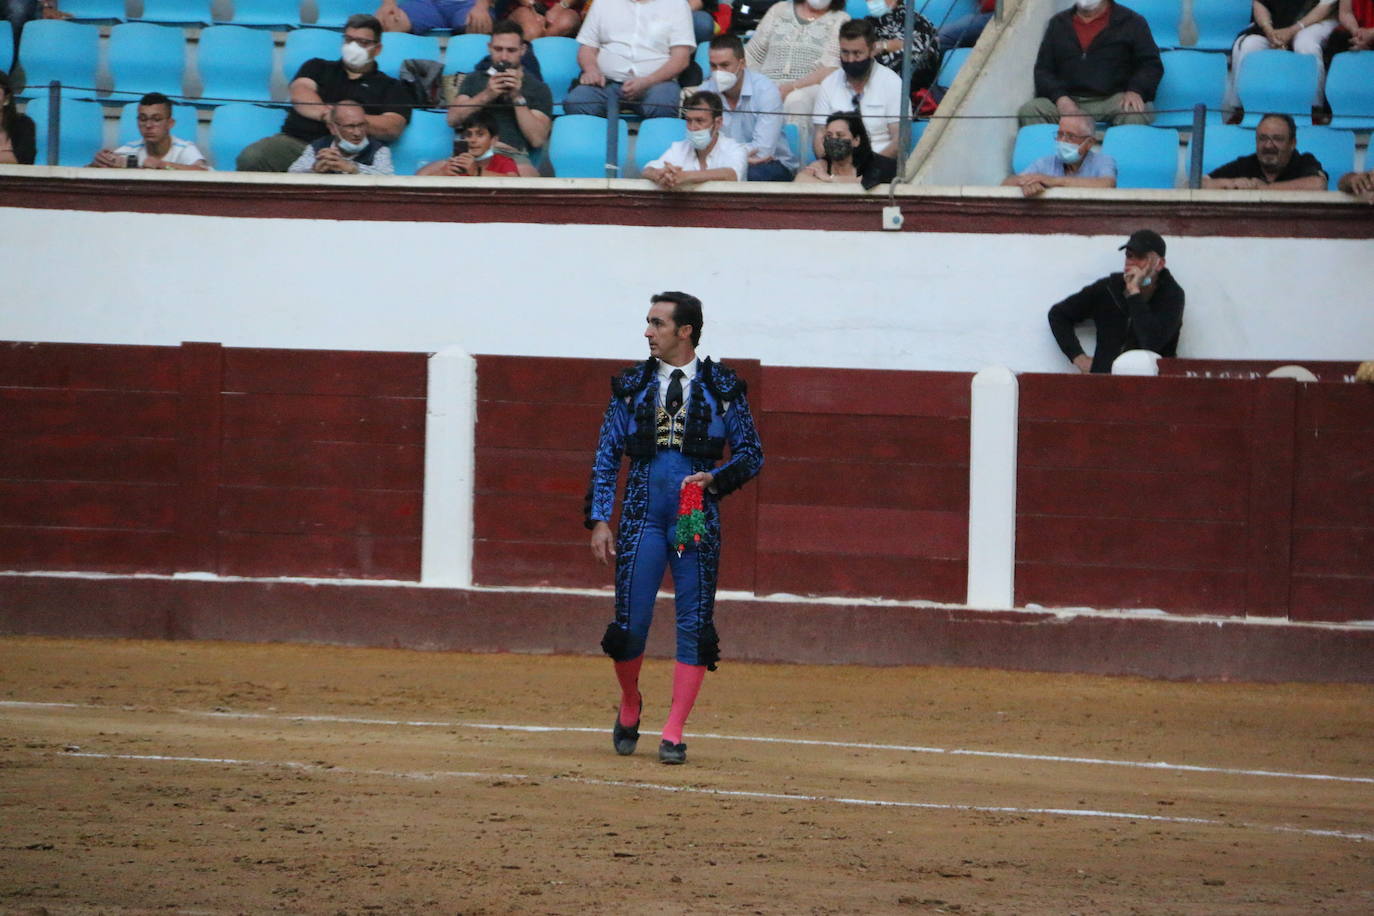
(910, 300)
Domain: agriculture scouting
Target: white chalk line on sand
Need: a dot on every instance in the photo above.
(804, 742)
(730, 793)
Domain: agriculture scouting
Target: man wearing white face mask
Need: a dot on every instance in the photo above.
(319, 84)
(348, 150)
(706, 154)
(753, 111)
(1073, 164)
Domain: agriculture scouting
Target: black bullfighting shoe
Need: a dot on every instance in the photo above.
(626, 737)
(671, 753)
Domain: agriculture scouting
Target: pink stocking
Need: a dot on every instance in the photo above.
(686, 685)
(628, 675)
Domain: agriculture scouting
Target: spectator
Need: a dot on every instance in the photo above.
(158, 149)
(1098, 58)
(753, 111)
(964, 31)
(874, 92)
(703, 19)
(18, 139)
(847, 155)
(1073, 164)
(20, 12)
(475, 155)
(348, 150)
(1301, 25)
(1355, 29)
(1360, 184)
(636, 48)
(420, 17)
(796, 45)
(538, 18)
(889, 19)
(1276, 164)
(1140, 308)
(520, 102)
(319, 84)
(706, 155)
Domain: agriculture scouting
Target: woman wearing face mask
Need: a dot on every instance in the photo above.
(796, 45)
(889, 18)
(476, 157)
(848, 155)
(17, 135)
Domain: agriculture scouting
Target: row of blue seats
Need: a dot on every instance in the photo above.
(1148, 157)
(1218, 22)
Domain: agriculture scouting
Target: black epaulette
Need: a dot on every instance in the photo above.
(723, 382)
(633, 379)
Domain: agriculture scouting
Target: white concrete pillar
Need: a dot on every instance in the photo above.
(450, 436)
(992, 489)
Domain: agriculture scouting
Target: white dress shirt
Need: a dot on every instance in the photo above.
(758, 121)
(726, 154)
(633, 36)
(665, 375)
(880, 104)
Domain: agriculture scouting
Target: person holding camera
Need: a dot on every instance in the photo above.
(1140, 308)
(348, 150)
(158, 149)
(520, 102)
(475, 155)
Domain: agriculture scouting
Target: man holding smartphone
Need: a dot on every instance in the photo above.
(156, 148)
(519, 101)
(1140, 308)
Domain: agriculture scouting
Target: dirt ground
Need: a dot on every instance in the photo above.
(224, 778)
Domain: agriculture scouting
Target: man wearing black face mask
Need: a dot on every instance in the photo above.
(875, 92)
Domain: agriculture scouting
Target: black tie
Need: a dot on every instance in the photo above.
(674, 400)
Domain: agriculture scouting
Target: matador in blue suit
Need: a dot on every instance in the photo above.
(672, 415)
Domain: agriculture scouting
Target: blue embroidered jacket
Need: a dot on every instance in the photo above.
(717, 412)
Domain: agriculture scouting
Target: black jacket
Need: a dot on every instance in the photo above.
(1123, 57)
(1123, 322)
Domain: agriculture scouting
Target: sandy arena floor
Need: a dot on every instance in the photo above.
(227, 778)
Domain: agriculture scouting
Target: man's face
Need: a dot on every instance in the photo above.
(1145, 260)
(667, 341)
(701, 118)
(1274, 144)
(1076, 131)
(154, 123)
(479, 139)
(370, 42)
(349, 123)
(506, 48)
(725, 59)
(853, 50)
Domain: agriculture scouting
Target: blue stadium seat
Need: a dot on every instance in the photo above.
(234, 126)
(940, 12)
(68, 52)
(1272, 80)
(183, 115)
(235, 64)
(1335, 149)
(789, 130)
(1219, 22)
(401, 46)
(1032, 142)
(1223, 143)
(949, 68)
(176, 12)
(655, 136)
(303, 44)
(146, 58)
(1350, 90)
(275, 14)
(703, 59)
(101, 11)
(857, 9)
(557, 58)
(577, 146)
(426, 138)
(7, 47)
(1146, 157)
(1163, 16)
(464, 51)
(334, 13)
(81, 134)
(1190, 77)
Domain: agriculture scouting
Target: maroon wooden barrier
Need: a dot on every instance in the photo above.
(200, 458)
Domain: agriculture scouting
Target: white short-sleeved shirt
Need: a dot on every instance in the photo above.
(634, 36)
(183, 152)
(880, 104)
(726, 154)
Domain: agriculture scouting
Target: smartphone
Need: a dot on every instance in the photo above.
(460, 147)
(131, 162)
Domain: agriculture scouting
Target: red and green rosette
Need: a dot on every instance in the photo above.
(691, 520)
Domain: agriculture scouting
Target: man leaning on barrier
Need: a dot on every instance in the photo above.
(1276, 164)
(706, 154)
(1073, 164)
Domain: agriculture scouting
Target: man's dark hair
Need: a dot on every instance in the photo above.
(508, 27)
(729, 42)
(705, 99)
(480, 118)
(860, 28)
(156, 98)
(686, 310)
(1285, 118)
(365, 21)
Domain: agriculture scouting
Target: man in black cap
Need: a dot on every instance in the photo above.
(1140, 308)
